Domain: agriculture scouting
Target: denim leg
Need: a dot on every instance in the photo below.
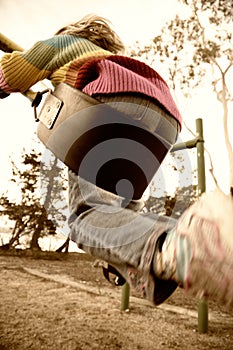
(123, 237)
(103, 228)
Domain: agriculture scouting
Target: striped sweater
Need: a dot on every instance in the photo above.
(85, 66)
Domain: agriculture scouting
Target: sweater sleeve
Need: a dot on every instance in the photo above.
(21, 70)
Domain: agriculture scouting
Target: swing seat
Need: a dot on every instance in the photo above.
(100, 144)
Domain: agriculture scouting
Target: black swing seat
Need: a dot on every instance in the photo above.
(99, 143)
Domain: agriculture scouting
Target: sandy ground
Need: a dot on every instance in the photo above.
(58, 301)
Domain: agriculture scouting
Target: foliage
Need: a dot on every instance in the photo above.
(172, 206)
(31, 216)
(197, 49)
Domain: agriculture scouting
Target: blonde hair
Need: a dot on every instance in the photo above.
(97, 30)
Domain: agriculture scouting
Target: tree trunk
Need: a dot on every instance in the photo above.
(16, 233)
(36, 235)
(226, 130)
(65, 246)
(34, 245)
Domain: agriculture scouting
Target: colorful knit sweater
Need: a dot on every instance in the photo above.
(85, 66)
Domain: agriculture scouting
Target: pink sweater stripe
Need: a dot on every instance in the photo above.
(117, 74)
(4, 86)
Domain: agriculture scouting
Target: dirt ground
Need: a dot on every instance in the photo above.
(61, 301)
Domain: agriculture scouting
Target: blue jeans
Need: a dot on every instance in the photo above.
(109, 225)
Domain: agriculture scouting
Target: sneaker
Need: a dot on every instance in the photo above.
(204, 248)
(150, 287)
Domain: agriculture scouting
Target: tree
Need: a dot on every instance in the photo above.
(197, 46)
(18, 214)
(32, 217)
(174, 205)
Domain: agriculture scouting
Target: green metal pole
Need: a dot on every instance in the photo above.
(184, 145)
(7, 45)
(203, 304)
(125, 292)
(200, 157)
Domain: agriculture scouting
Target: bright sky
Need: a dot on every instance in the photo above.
(26, 21)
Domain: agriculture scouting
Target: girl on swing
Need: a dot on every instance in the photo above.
(155, 254)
